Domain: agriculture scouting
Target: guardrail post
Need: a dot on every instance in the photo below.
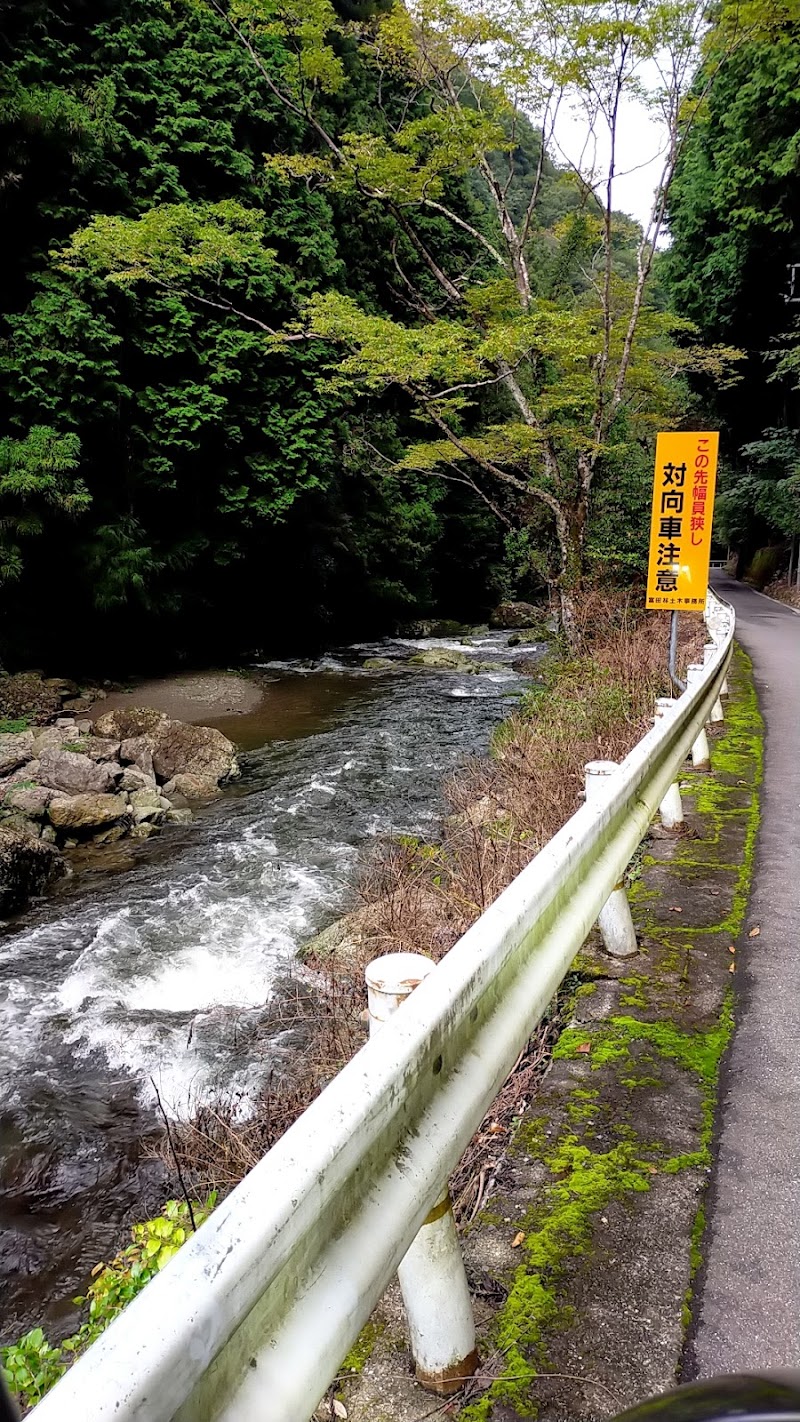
(614, 919)
(432, 1277)
(701, 753)
(717, 713)
(671, 807)
(717, 624)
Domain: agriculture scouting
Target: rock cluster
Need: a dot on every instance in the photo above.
(130, 772)
(446, 659)
(509, 615)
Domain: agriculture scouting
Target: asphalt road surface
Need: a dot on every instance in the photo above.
(748, 1308)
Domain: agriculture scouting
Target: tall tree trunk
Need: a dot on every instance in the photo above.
(571, 530)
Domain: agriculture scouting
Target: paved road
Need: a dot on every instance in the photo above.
(749, 1303)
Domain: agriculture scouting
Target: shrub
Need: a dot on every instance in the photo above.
(33, 1365)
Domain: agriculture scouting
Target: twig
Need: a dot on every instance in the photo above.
(165, 1119)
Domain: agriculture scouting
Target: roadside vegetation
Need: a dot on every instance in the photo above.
(422, 896)
(419, 896)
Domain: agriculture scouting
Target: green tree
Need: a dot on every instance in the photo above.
(574, 375)
(734, 216)
(36, 473)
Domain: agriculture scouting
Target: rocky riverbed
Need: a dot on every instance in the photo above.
(129, 772)
(118, 981)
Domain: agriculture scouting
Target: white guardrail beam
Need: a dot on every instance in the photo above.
(251, 1320)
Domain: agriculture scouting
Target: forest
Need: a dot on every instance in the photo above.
(309, 330)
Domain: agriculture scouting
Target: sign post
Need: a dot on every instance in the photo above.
(680, 526)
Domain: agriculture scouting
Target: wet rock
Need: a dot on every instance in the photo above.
(515, 614)
(133, 778)
(489, 667)
(87, 812)
(443, 659)
(144, 828)
(433, 627)
(146, 805)
(379, 664)
(540, 633)
(178, 817)
(177, 801)
(75, 773)
(127, 722)
(190, 787)
(138, 751)
(27, 867)
(110, 836)
(194, 750)
(15, 750)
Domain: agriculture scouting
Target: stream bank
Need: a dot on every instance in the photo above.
(584, 1260)
(117, 977)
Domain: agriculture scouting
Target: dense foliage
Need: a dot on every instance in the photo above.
(735, 221)
(304, 334)
(162, 475)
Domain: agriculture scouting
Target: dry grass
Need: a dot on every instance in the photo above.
(322, 1012)
(783, 591)
(423, 897)
(503, 809)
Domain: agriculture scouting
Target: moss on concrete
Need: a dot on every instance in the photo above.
(361, 1350)
(592, 1155)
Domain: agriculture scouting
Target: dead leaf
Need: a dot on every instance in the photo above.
(495, 1129)
(732, 968)
(731, 948)
(339, 1409)
(584, 1047)
(517, 1240)
(673, 908)
(754, 932)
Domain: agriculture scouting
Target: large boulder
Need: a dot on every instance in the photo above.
(515, 614)
(75, 773)
(15, 750)
(81, 813)
(194, 750)
(443, 659)
(127, 721)
(27, 867)
(190, 787)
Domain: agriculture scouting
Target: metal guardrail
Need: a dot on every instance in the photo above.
(252, 1318)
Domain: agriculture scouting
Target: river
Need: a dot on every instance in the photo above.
(104, 984)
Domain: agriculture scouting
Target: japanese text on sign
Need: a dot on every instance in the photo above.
(680, 528)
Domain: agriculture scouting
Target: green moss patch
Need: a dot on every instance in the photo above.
(618, 1085)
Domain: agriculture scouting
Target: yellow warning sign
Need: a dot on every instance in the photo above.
(680, 529)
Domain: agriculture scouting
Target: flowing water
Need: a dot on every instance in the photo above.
(119, 981)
